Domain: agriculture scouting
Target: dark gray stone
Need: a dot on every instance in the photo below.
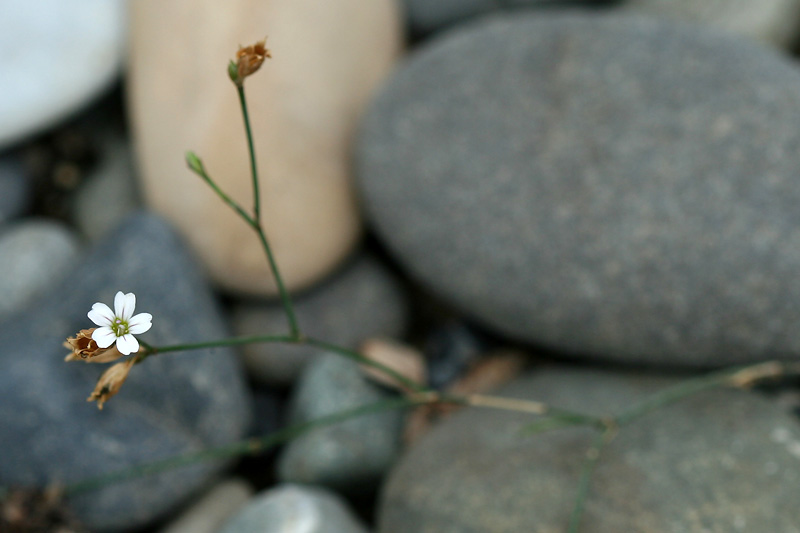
(351, 456)
(109, 193)
(35, 254)
(721, 461)
(428, 16)
(610, 186)
(773, 21)
(15, 189)
(171, 404)
(362, 300)
(295, 509)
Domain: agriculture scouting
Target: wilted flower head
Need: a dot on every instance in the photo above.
(85, 348)
(121, 325)
(111, 381)
(248, 60)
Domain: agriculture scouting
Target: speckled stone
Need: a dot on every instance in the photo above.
(351, 456)
(722, 461)
(295, 509)
(172, 404)
(615, 187)
(361, 300)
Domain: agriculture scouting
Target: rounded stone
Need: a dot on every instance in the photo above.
(304, 103)
(57, 56)
(609, 186)
(351, 456)
(173, 404)
(295, 509)
(720, 460)
(34, 256)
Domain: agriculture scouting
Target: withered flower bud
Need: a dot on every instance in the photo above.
(85, 348)
(110, 382)
(248, 60)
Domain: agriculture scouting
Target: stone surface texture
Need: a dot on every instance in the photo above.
(720, 461)
(606, 185)
(169, 405)
(304, 105)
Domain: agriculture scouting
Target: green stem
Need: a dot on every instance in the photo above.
(585, 482)
(251, 446)
(251, 149)
(284, 339)
(286, 301)
(255, 222)
(692, 386)
(359, 358)
(231, 341)
(198, 169)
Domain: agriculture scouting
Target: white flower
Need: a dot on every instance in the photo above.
(119, 326)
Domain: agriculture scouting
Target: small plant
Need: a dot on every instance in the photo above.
(113, 339)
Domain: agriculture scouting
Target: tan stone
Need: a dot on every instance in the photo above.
(328, 58)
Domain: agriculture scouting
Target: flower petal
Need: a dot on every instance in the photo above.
(124, 304)
(140, 323)
(104, 337)
(119, 303)
(127, 344)
(101, 314)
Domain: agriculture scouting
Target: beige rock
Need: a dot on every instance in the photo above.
(328, 58)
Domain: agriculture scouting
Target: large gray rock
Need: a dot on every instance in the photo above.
(350, 456)
(609, 186)
(362, 300)
(720, 461)
(295, 509)
(773, 21)
(35, 254)
(172, 404)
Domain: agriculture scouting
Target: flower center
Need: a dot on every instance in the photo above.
(119, 327)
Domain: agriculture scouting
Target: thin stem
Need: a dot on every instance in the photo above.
(359, 358)
(533, 407)
(250, 446)
(738, 376)
(286, 301)
(255, 222)
(231, 341)
(253, 168)
(201, 171)
(601, 440)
